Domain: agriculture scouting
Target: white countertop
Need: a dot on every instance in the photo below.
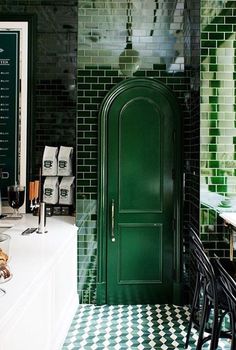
(31, 256)
(230, 218)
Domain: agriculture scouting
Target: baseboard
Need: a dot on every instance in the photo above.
(101, 297)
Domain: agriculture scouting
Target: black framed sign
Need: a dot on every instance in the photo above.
(9, 108)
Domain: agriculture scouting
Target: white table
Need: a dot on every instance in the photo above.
(229, 217)
(41, 298)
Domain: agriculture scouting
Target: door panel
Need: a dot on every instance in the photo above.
(137, 136)
(140, 162)
(138, 261)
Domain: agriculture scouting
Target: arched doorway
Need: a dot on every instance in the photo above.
(139, 249)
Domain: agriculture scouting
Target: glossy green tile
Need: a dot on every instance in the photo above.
(212, 188)
(224, 28)
(215, 83)
(208, 43)
(222, 189)
(216, 36)
(217, 180)
(212, 148)
(230, 19)
(214, 132)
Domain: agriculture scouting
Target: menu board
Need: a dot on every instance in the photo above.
(9, 110)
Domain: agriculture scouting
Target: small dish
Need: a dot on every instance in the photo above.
(225, 203)
(5, 274)
(221, 205)
(3, 280)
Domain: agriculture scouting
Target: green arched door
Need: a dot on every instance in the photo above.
(139, 193)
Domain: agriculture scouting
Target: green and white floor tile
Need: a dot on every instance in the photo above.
(131, 327)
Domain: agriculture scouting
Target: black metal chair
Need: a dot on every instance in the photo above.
(199, 283)
(228, 287)
(207, 290)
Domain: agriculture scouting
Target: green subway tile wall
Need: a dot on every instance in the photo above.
(192, 132)
(163, 42)
(192, 129)
(218, 101)
(165, 46)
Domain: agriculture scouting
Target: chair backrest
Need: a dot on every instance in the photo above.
(195, 238)
(228, 285)
(204, 266)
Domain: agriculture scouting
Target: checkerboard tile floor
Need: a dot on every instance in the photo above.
(131, 327)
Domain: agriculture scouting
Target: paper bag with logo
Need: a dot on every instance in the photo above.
(49, 166)
(66, 190)
(65, 161)
(50, 190)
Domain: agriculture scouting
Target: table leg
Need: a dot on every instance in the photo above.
(231, 246)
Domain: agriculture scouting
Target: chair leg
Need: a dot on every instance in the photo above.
(205, 318)
(215, 330)
(220, 326)
(205, 311)
(194, 308)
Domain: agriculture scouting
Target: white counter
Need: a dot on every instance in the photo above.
(230, 218)
(41, 298)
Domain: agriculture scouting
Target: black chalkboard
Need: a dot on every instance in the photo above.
(9, 110)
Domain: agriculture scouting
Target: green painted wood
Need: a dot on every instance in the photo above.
(138, 156)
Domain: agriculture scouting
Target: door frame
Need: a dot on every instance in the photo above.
(27, 24)
(101, 294)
